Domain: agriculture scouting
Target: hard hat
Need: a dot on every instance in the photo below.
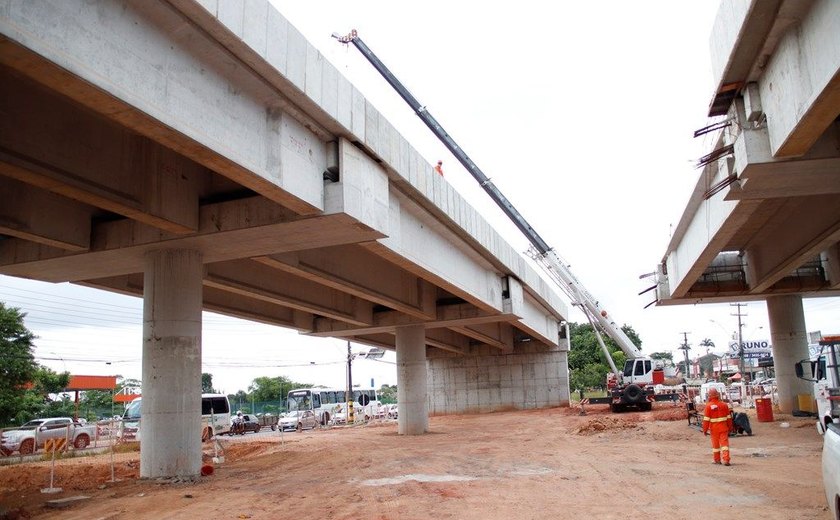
(713, 393)
(238, 413)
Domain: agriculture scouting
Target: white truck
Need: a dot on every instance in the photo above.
(831, 468)
(823, 369)
(33, 435)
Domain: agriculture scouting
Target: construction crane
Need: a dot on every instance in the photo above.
(632, 387)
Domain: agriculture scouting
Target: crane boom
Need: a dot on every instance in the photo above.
(540, 250)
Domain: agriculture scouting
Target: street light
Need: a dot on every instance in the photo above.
(374, 353)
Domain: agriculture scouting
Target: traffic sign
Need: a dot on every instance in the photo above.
(52, 445)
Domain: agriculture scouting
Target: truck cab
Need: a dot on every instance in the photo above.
(643, 371)
(822, 370)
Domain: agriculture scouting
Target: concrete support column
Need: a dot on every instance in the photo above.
(413, 416)
(790, 344)
(171, 416)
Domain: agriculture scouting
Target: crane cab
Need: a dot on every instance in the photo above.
(643, 371)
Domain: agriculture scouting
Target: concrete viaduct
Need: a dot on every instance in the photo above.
(203, 155)
(763, 222)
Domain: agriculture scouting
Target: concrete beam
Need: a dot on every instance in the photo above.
(356, 271)
(216, 300)
(802, 96)
(498, 335)
(459, 315)
(801, 229)
(165, 96)
(831, 261)
(227, 231)
(420, 245)
(63, 148)
(258, 281)
(42, 217)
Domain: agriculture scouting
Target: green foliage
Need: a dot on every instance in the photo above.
(387, 394)
(272, 388)
(663, 355)
(587, 363)
(17, 363)
(207, 383)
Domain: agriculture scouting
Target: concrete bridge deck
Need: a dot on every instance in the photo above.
(763, 222)
(204, 155)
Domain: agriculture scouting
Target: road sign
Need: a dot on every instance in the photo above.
(52, 445)
(364, 399)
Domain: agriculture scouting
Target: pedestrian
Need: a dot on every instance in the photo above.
(718, 421)
(439, 168)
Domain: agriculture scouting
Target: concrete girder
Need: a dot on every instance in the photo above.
(457, 315)
(227, 231)
(443, 339)
(244, 307)
(802, 96)
(183, 72)
(353, 269)
(63, 148)
(703, 238)
(761, 175)
(432, 252)
(801, 229)
(61, 222)
(216, 300)
(764, 42)
(260, 282)
(497, 335)
(831, 260)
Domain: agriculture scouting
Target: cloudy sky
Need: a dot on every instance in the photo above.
(581, 113)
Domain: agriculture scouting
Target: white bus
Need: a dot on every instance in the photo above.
(327, 403)
(215, 417)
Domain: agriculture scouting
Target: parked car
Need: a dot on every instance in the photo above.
(250, 423)
(33, 435)
(300, 420)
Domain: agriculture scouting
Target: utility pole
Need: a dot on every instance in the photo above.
(685, 348)
(740, 338)
(351, 418)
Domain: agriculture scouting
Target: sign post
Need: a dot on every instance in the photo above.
(52, 446)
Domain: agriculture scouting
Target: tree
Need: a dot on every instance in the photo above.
(17, 363)
(587, 363)
(663, 356)
(207, 383)
(272, 388)
(388, 394)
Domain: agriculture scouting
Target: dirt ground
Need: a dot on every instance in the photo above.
(514, 465)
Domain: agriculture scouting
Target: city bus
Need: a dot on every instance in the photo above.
(327, 403)
(215, 417)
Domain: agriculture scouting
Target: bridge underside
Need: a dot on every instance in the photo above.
(157, 152)
(763, 221)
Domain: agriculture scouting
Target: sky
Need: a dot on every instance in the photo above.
(581, 113)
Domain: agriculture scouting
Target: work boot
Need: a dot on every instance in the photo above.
(726, 463)
(716, 462)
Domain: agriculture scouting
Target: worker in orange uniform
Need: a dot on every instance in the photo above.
(718, 420)
(439, 168)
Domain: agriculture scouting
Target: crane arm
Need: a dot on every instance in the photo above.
(486, 184)
(563, 276)
(540, 250)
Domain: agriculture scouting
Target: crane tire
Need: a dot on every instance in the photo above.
(634, 394)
